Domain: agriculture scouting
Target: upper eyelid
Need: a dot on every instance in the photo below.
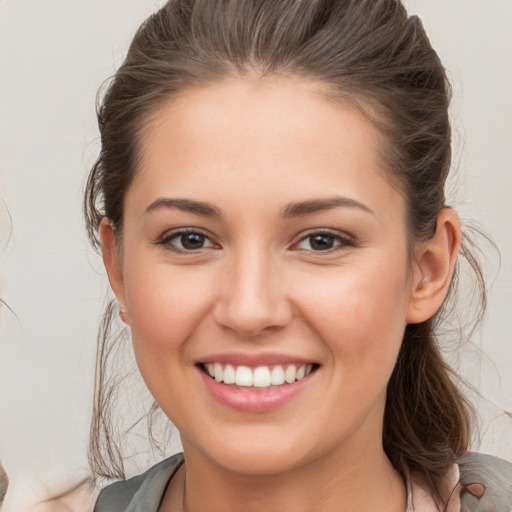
(170, 233)
(327, 231)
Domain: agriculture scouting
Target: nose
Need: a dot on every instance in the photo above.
(252, 298)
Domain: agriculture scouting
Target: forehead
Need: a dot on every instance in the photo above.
(261, 138)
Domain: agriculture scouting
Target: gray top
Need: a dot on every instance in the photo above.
(142, 493)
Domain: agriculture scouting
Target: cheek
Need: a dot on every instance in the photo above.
(165, 304)
(359, 313)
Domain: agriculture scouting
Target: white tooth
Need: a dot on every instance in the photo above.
(277, 376)
(229, 374)
(309, 368)
(290, 374)
(218, 372)
(261, 378)
(211, 369)
(301, 372)
(243, 376)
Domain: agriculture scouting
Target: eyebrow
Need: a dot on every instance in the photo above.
(301, 208)
(291, 210)
(186, 205)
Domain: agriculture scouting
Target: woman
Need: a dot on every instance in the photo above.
(269, 202)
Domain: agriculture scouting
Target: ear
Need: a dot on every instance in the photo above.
(434, 265)
(113, 265)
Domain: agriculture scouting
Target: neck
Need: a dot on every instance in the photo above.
(361, 479)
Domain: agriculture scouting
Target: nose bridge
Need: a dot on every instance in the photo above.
(253, 298)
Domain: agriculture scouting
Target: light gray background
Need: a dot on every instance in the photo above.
(54, 54)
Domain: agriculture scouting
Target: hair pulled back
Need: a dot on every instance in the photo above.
(369, 53)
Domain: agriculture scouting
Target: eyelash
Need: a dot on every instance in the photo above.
(169, 236)
(340, 242)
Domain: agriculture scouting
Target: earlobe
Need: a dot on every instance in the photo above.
(434, 266)
(112, 263)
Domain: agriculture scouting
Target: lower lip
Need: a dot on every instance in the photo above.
(254, 400)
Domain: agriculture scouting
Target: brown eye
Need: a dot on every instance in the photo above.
(192, 241)
(183, 241)
(323, 241)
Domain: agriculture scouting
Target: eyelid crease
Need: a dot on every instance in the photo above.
(168, 233)
(325, 231)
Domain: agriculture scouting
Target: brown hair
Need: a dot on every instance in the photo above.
(368, 52)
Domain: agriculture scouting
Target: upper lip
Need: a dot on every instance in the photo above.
(254, 360)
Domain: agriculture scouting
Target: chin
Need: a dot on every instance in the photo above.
(256, 453)
(259, 462)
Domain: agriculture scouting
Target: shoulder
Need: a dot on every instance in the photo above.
(141, 490)
(486, 483)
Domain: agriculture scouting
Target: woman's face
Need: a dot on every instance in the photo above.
(262, 241)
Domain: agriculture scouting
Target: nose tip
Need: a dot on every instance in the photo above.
(253, 302)
(250, 320)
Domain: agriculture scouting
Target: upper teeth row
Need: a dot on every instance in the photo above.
(260, 377)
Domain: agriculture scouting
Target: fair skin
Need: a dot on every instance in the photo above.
(295, 252)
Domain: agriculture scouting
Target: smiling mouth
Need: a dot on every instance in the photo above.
(258, 378)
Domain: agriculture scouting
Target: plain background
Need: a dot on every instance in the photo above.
(54, 54)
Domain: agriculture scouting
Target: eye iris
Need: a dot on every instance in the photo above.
(321, 242)
(192, 240)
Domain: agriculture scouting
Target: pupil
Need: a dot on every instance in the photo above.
(321, 242)
(192, 241)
